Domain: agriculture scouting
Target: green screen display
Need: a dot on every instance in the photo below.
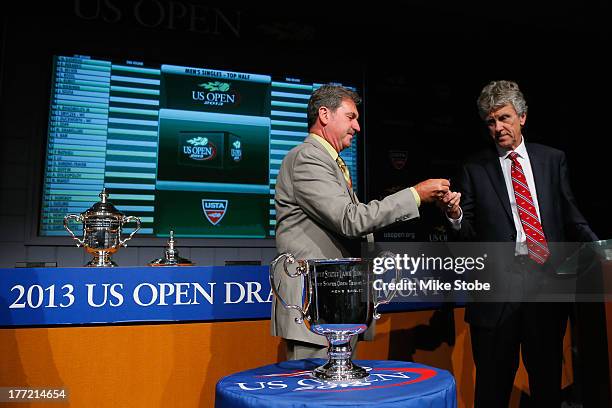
(192, 149)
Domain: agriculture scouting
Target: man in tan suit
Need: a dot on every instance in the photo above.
(317, 213)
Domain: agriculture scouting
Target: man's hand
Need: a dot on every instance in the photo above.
(450, 203)
(432, 189)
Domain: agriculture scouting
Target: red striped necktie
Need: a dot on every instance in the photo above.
(536, 241)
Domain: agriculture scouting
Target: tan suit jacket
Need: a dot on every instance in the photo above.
(318, 216)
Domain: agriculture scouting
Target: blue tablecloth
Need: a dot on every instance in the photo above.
(289, 384)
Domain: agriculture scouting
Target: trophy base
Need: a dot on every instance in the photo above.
(101, 260)
(339, 367)
(171, 262)
(340, 371)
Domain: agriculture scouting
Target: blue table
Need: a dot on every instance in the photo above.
(289, 384)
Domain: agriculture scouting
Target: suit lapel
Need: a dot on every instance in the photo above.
(494, 171)
(350, 190)
(328, 158)
(542, 184)
(353, 196)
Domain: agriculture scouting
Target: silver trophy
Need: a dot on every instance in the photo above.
(171, 255)
(338, 303)
(102, 224)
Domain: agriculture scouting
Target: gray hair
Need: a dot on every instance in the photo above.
(330, 96)
(497, 94)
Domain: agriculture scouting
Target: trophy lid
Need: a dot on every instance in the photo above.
(103, 208)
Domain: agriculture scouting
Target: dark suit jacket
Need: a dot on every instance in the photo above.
(487, 216)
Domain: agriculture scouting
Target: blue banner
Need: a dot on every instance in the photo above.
(51, 296)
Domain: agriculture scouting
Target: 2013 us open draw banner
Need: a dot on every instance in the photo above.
(50, 296)
(54, 296)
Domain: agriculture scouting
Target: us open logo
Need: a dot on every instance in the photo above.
(236, 151)
(216, 93)
(214, 210)
(200, 149)
(302, 381)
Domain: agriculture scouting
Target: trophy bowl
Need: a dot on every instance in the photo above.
(102, 228)
(338, 303)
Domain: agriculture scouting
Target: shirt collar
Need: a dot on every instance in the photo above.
(332, 152)
(521, 150)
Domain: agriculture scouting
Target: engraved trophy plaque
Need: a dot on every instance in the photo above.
(338, 303)
(102, 225)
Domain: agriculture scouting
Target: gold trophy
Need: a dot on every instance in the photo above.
(102, 225)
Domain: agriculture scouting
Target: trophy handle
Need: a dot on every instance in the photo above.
(125, 220)
(301, 269)
(390, 296)
(80, 242)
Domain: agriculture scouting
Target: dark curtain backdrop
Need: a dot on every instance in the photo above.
(422, 65)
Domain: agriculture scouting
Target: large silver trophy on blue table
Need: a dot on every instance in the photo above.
(102, 231)
(338, 302)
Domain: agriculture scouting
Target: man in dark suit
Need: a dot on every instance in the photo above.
(519, 193)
